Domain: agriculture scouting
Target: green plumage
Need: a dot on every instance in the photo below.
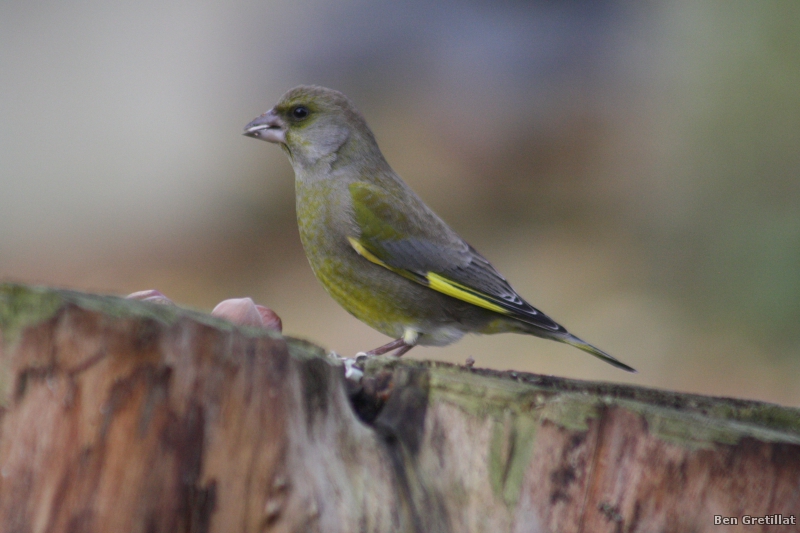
(378, 250)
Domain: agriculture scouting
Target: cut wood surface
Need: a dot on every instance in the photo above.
(119, 415)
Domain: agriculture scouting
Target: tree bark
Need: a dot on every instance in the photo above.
(118, 415)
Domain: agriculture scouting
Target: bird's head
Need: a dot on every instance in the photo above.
(314, 123)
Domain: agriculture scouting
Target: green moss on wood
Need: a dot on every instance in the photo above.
(689, 420)
(22, 306)
(510, 451)
(695, 430)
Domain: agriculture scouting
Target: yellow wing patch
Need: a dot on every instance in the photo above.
(461, 292)
(434, 281)
(366, 254)
(369, 256)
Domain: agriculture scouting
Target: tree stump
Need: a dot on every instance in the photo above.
(118, 415)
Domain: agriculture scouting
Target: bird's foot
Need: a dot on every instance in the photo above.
(353, 366)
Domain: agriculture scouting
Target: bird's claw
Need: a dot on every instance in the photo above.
(353, 366)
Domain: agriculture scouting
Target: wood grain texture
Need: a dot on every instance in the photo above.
(126, 416)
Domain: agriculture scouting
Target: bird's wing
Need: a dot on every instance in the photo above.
(429, 253)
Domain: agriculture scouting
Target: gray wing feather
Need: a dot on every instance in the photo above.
(464, 265)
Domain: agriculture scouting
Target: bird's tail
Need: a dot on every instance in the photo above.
(572, 340)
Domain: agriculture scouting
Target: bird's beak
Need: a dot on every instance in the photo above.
(268, 127)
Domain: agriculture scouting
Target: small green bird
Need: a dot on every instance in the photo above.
(379, 251)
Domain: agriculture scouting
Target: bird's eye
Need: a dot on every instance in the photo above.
(300, 112)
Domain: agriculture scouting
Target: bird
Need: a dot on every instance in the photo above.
(377, 248)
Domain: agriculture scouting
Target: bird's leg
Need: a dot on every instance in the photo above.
(403, 349)
(402, 345)
(395, 344)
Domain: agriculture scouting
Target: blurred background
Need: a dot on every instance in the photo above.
(632, 168)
